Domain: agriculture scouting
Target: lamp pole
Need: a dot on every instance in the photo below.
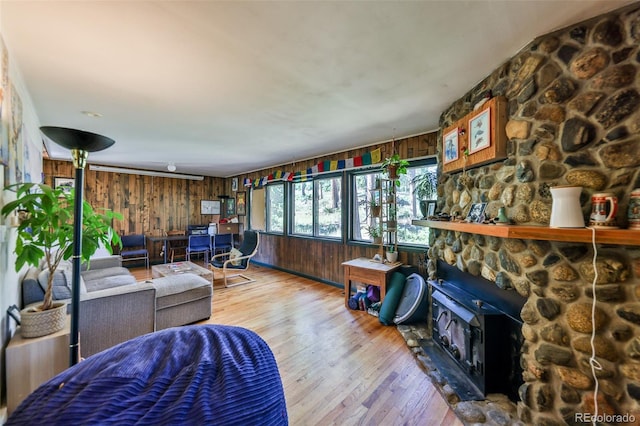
(80, 143)
(79, 162)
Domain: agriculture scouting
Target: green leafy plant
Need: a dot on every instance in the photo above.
(425, 185)
(46, 229)
(374, 231)
(394, 166)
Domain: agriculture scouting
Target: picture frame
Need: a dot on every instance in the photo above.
(431, 208)
(476, 214)
(480, 131)
(234, 184)
(230, 207)
(67, 184)
(241, 203)
(450, 146)
(209, 207)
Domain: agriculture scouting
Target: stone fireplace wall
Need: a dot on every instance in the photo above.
(573, 118)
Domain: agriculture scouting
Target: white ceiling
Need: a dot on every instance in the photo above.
(221, 88)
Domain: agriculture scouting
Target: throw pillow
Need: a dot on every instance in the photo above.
(235, 253)
(62, 279)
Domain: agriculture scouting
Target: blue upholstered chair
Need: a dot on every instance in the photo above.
(134, 247)
(222, 243)
(199, 244)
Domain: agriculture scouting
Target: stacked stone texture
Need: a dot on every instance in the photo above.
(573, 119)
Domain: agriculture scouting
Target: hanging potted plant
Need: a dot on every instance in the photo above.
(46, 232)
(393, 167)
(425, 187)
(375, 208)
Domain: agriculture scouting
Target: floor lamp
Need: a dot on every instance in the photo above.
(80, 143)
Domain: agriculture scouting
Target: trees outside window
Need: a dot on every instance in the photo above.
(275, 207)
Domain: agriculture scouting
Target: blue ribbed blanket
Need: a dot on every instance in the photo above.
(195, 375)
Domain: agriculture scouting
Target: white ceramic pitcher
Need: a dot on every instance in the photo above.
(566, 211)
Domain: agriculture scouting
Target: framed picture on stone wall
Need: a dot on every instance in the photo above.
(480, 131)
(450, 146)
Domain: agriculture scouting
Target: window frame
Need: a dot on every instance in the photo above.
(267, 208)
(352, 195)
(315, 208)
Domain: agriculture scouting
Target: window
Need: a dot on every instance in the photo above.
(317, 208)
(275, 207)
(363, 226)
(302, 215)
(329, 207)
(407, 206)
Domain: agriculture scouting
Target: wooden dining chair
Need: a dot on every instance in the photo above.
(179, 246)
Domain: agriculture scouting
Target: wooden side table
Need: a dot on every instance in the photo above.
(31, 362)
(367, 271)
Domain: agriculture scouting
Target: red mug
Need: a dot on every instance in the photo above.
(604, 207)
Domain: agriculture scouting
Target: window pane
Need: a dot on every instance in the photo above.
(363, 222)
(303, 208)
(329, 207)
(275, 208)
(408, 207)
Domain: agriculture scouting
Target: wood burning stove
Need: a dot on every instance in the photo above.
(477, 334)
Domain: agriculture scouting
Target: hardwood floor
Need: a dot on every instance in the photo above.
(338, 366)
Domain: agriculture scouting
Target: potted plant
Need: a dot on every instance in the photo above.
(375, 208)
(46, 232)
(391, 254)
(392, 221)
(425, 186)
(394, 166)
(376, 233)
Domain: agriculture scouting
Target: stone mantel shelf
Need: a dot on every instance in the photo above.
(578, 235)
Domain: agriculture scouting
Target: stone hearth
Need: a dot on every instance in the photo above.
(496, 410)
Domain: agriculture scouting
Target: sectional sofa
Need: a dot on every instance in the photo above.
(115, 308)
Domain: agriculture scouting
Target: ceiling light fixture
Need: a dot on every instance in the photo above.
(171, 167)
(92, 114)
(98, 168)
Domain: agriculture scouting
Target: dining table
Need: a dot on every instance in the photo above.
(164, 239)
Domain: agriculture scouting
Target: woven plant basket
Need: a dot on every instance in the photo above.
(37, 323)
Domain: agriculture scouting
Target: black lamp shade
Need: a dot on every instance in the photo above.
(77, 139)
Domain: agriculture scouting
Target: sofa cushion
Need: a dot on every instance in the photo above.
(178, 289)
(109, 282)
(99, 273)
(62, 280)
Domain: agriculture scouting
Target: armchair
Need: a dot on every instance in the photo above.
(231, 265)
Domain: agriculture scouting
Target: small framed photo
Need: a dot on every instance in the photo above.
(476, 214)
(234, 184)
(241, 203)
(230, 207)
(431, 208)
(480, 131)
(67, 184)
(450, 146)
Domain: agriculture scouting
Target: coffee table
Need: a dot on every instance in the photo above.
(168, 269)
